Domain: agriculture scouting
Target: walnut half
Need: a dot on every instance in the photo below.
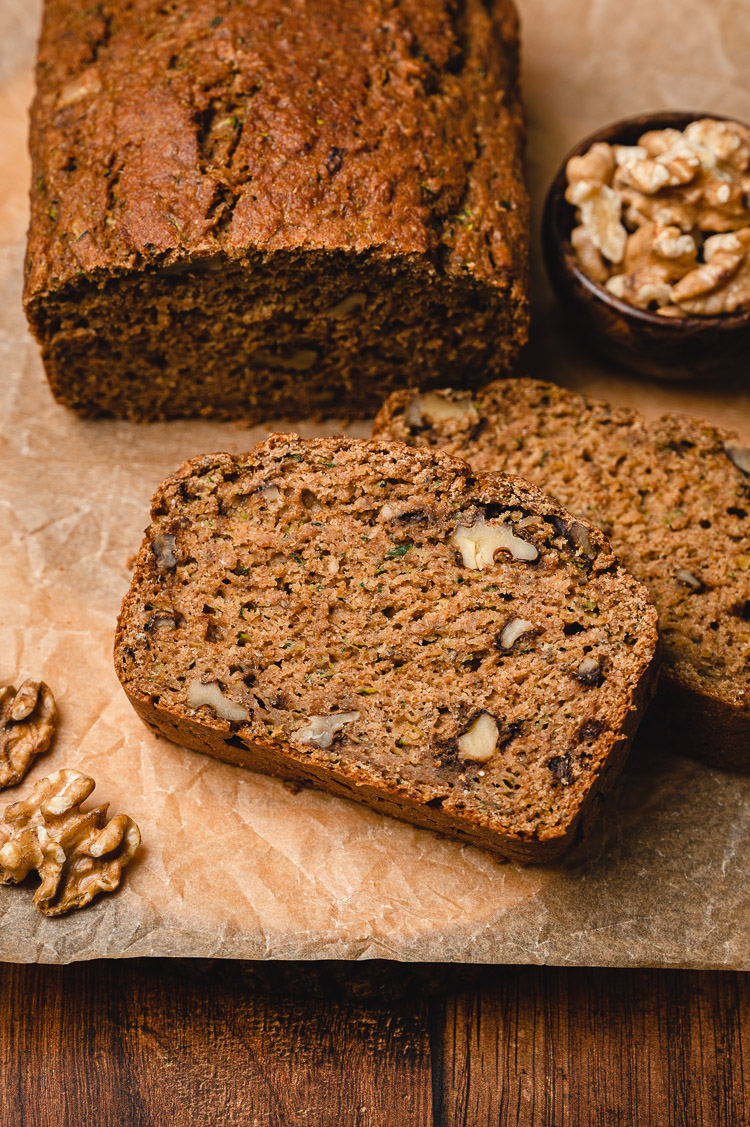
(664, 225)
(76, 853)
(27, 724)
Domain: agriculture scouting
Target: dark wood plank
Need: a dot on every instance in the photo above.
(118, 1044)
(549, 1047)
(140, 1045)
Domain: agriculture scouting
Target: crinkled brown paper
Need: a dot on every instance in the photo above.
(233, 864)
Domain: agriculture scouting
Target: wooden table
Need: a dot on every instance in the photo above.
(157, 1044)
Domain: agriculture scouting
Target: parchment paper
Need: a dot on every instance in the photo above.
(233, 864)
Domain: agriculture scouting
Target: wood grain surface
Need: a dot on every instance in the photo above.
(150, 1044)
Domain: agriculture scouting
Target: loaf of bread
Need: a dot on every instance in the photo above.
(673, 495)
(242, 209)
(456, 651)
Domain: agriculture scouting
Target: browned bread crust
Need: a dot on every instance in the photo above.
(322, 596)
(673, 495)
(241, 209)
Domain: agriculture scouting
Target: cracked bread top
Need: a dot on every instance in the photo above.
(672, 494)
(165, 131)
(382, 614)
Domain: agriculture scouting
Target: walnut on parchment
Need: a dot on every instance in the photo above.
(27, 724)
(76, 853)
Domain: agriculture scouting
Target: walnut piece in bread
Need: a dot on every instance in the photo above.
(430, 672)
(673, 494)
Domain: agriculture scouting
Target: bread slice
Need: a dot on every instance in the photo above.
(453, 650)
(240, 209)
(674, 497)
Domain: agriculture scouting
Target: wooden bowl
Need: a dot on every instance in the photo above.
(683, 348)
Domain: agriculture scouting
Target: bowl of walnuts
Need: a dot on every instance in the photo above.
(646, 237)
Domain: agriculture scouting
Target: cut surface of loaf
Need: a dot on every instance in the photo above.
(242, 210)
(673, 495)
(453, 650)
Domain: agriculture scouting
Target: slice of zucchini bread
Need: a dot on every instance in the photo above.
(674, 497)
(451, 649)
(246, 209)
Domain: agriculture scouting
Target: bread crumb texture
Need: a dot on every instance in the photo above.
(673, 495)
(307, 609)
(241, 209)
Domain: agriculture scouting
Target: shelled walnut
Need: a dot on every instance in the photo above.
(76, 853)
(665, 224)
(28, 719)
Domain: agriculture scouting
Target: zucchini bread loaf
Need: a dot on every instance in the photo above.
(242, 209)
(674, 497)
(453, 650)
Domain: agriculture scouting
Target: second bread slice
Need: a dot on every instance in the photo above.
(451, 649)
(673, 495)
